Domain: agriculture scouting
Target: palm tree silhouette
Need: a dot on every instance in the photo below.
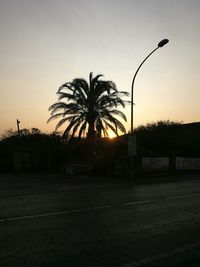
(89, 106)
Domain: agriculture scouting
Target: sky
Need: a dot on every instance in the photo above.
(45, 43)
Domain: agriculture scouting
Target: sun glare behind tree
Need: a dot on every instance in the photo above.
(111, 135)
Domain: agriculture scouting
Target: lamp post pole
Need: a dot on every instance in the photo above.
(160, 44)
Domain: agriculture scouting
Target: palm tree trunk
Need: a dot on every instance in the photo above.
(91, 131)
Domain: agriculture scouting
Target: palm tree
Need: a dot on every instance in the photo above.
(89, 106)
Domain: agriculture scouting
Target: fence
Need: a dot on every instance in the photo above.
(164, 164)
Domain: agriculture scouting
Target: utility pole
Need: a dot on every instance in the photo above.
(18, 129)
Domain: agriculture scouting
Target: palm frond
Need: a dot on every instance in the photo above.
(110, 126)
(70, 126)
(67, 96)
(118, 113)
(55, 116)
(94, 80)
(123, 93)
(60, 123)
(100, 123)
(67, 85)
(82, 128)
(82, 86)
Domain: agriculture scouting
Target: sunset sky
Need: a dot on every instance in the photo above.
(45, 43)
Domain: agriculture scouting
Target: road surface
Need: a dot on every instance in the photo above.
(48, 221)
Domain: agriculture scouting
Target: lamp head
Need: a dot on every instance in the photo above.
(163, 42)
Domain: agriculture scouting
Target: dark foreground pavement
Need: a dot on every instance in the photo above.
(49, 220)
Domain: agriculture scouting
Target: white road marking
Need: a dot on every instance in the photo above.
(137, 202)
(168, 198)
(162, 256)
(52, 213)
(184, 196)
(92, 208)
(3, 220)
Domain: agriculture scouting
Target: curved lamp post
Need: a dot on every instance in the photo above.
(132, 141)
(160, 44)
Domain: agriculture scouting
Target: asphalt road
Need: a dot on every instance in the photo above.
(48, 220)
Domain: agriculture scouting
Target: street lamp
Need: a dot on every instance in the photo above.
(160, 44)
(132, 141)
